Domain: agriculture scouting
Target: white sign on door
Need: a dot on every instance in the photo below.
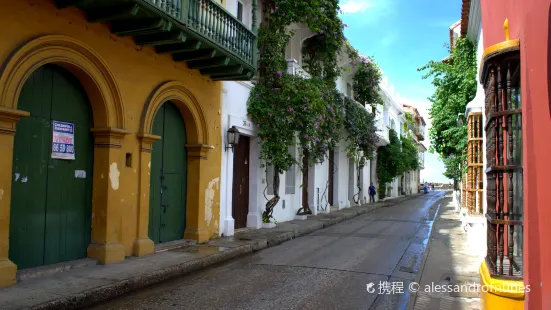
(63, 140)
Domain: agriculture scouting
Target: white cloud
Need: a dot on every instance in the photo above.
(356, 6)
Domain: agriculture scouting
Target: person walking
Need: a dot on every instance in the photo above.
(371, 193)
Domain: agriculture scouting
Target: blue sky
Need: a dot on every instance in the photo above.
(404, 35)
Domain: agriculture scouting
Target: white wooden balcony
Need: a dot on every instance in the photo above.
(294, 68)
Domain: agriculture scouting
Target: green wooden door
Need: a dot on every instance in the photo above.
(167, 205)
(50, 216)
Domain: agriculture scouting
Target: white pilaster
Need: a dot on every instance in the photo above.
(254, 217)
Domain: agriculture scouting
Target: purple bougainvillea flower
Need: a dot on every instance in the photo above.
(270, 114)
(279, 74)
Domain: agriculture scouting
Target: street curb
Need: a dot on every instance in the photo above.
(107, 292)
(413, 295)
(111, 291)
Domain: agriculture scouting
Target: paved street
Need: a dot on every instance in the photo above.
(328, 269)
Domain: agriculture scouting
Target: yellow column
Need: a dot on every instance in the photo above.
(196, 226)
(106, 213)
(143, 245)
(8, 119)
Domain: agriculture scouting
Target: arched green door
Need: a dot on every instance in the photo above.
(167, 204)
(51, 202)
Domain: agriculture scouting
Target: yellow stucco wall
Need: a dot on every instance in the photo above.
(137, 73)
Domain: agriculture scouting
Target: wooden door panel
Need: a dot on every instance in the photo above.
(30, 160)
(240, 196)
(172, 214)
(174, 175)
(68, 217)
(155, 177)
(54, 223)
(167, 205)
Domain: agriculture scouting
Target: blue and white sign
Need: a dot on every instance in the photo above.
(63, 140)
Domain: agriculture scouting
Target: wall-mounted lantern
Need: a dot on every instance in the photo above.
(233, 138)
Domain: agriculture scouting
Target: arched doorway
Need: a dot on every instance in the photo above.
(51, 204)
(168, 184)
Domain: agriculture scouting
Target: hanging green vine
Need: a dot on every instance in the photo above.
(360, 124)
(366, 83)
(389, 162)
(410, 154)
(362, 138)
(284, 105)
(396, 158)
(361, 129)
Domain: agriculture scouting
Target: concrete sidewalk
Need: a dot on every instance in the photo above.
(450, 259)
(93, 284)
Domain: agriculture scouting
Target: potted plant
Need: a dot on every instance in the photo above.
(266, 223)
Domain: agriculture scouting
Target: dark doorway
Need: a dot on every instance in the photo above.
(240, 197)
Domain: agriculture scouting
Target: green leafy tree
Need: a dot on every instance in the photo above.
(410, 157)
(366, 82)
(284, 106)
(389, 162)
(362, 137)
(455, 83)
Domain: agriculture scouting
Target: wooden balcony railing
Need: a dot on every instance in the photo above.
(220, 26)
(474, 164)
(501, 79)
(200, 32)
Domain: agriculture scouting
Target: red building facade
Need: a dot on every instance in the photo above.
(530, 23)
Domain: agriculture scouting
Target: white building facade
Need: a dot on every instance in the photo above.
(417, 130)
(242, 178)
(246, 182)
(476, 225)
